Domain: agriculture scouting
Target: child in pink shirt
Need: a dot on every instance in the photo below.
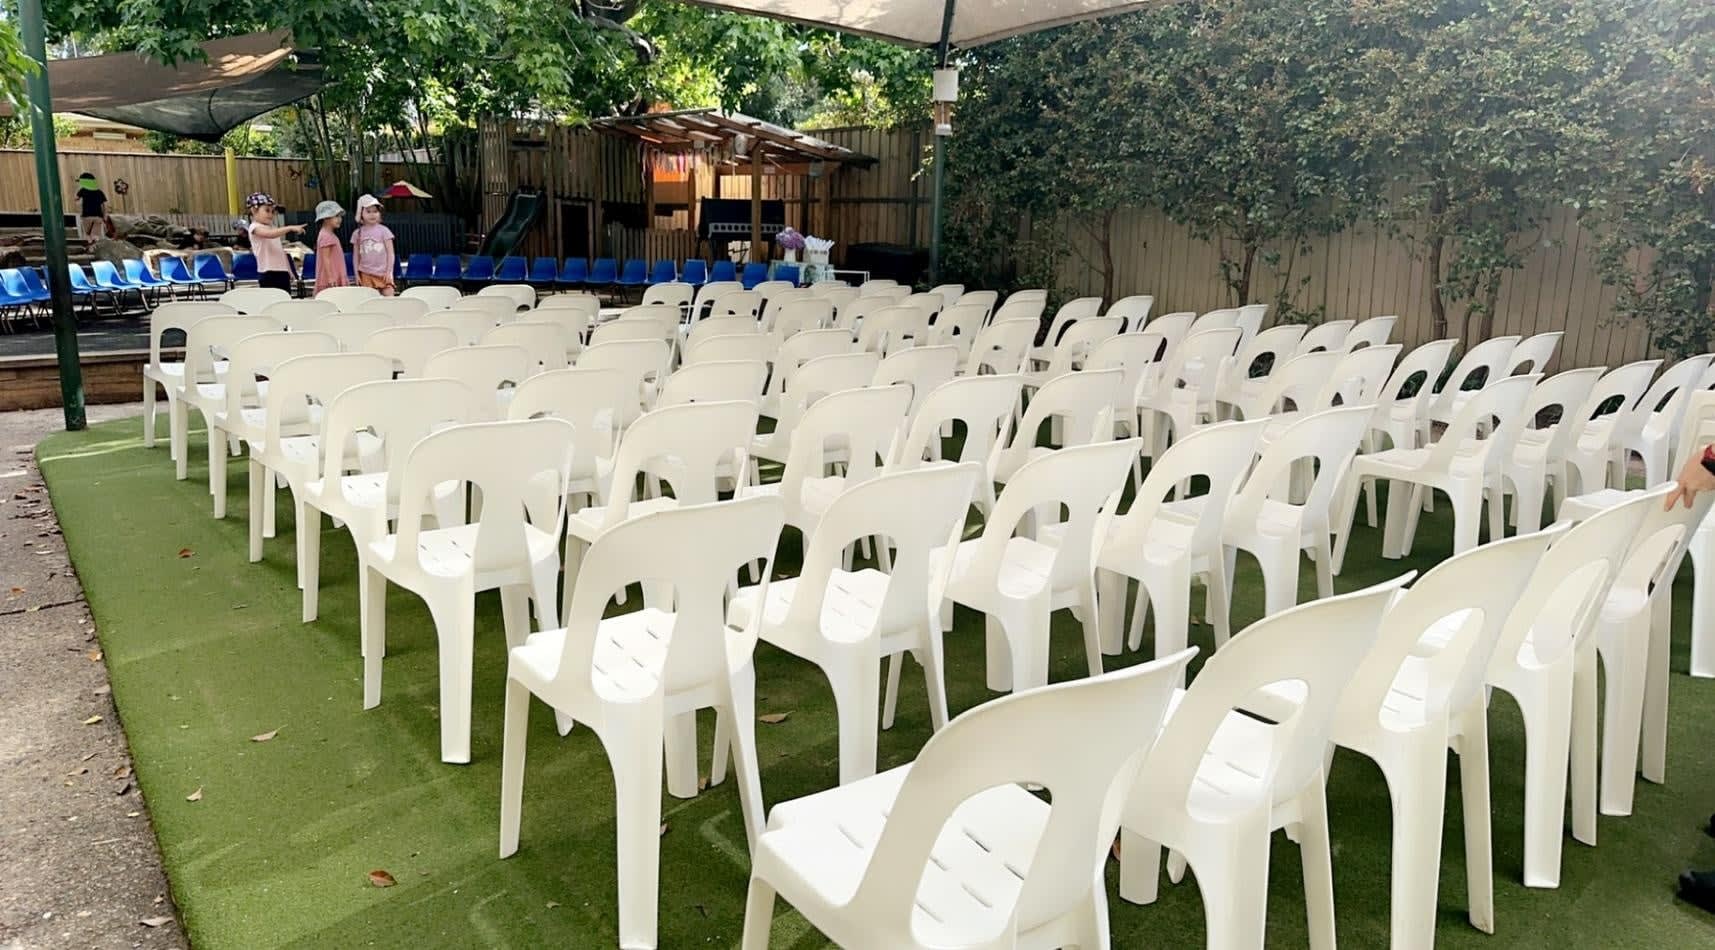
(372, 254)
(330, 253)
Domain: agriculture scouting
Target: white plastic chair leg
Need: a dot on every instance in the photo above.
(1111, 596)
(999, 654)
(148, 413)
(1584, 761)
(254, 525)
(1402, 504)
(269, 506)
(512, 765)
(1235, 897)
(857, 689)
(1625, 663)
(746, 762)
(1092, 628)
(758, 915)
(455, 622)
(1140, 868)
(1474, 799)
(372, 629)
(1417, 781)
(1315, 856)
(309, 534)
(1702, 551)
(636, 754)
(1653, 757)
(680, 740)
(217, 471)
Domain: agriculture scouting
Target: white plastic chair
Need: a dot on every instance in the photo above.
(714, 381)
(1488, 358)
(1295, 384)
(739, 303)
(1133, 311)
(796, 317)
(391, 416)
(405, 311)
(353, 327)
(641, 361)
(1223, 319)
(1078, 408)
(523, 295)
(922, 368)
(1234, 384)
(1462, 463)
(710, 292)
(197, 385)
(880, 287)
(591, 400)
(252, 299)
(848, 622)
(1022, 305)
(175, 316)
(986, 299)
(851, 315)
(300, 314)
(621, 331)
(672, 294)
(887, 331)
(348, 298)
(1134, 355)
(243, 416)
(951, 851)
(491, 372)
(1536, 662)
(1419, 692)
(1533, 353)
(1404, 419)
(1073, 348)
(958, 325)
(1001, 347)
(637, 680)
(1163, 544)
(835, 293)
(1539, 456)
(982, 405)
(1182, 397)
(813, 380)
(469, 325)
(744, 347)
(1018, 581)
(1328, 335)
(438, 298)
(1078, 308)
(544, 342)
(950, 294)
(794, 353)
(1217, 783)
(410, 347)
(296, 389)
(1374, 331)
(1173, 328)
(579, 300)
(498, 308)
(510, 545)
(720, 326)
(1647, 430)
(1590, 449)
(1249, 320)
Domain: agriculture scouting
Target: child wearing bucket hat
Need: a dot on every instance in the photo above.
(330, 252)
(372, 255)
(272, 267)
(92, 211)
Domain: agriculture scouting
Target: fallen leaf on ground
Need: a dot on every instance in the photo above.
(663, 828)
(553, 904)
(123, 788)
(78, 771)
(381, 878)
(103, 690)
(264, 737)
(16, 591)
(702, 783)
(94, 656)
(123, 771)
(156, 921)
(92, 720)
(90, 755)
(774, 718)
(133, 814)
(195, 796)
(186, 552)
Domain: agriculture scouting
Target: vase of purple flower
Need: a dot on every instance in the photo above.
(791, 242)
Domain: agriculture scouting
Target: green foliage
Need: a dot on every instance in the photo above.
(15, 131)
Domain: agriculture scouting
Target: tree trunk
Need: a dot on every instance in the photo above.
(1106, 240)
(1437, 241)
(1242, 288)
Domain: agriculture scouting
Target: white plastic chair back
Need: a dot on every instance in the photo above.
(837, 294)
(986, 299)
(486, 370)
(639, 360)
(1222, 319)
(523, 295)
(499, 308)
(1078, 308)
(353, 327)
(252, 299)
(1014, 739)
(696, 550)
(1330, 437)
(921, 369)
(1317, 646)
(660, 313)
(1173, 327)
(255, 357)
(1329, 335)
(624, 331)
(863, 423)
(410, 346)
(888, 330)
(748, 347)
(930, 303)
(398, 412)
(950, 294)
(879, 286)
(743, 303)
(1277, 344)
(590, 399)
(1425, 365)
(545, 342)
(507, 463)
(727, 325)
(1077, 342)
(1221, 453)
(686, 447)
(302, 382)
(1249, 320)
(710, 292)
(1293, 385)
(1489, 356)
(1372, 332)
(577, 300)
(470, 326)
(297, 314)
(1001, 347)
(1022, 307)
(802, 348)
(1133, 310)
(797, 316)
(223, 332)
(405, 310)
(817, 378)
(438, 298)
(853, 313)
(179, 315)
(348, 298)
(1359, 377)
(1134, 354)
(1666, 395)
(714, 381)
(1082, 401)
(1533, 353)
(672, 294)
(1568, 392)
(983, 404)
(1196, 362)
(1503, 399)
(1080, 483)
(959, 325)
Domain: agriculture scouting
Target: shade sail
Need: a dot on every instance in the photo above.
(919, 22)
(242, 77)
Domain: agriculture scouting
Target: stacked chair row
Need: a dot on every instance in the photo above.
(570, 461)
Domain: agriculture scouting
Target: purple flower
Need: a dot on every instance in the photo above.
(790, 239)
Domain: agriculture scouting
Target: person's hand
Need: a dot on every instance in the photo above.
(1693, 479)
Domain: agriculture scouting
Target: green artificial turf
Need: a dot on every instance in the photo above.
(206, 651)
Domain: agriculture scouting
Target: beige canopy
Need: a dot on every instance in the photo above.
(920, 22)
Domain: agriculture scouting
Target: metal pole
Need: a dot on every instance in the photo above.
(940, 155)
(53, 216)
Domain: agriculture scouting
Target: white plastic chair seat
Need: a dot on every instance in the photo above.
(1409, 462)
(1583, 507)
(631, 649)
(849, 611)
(970, 883)
(1404, 708)
(1008, 464)
(815, 495)
(1024, 568)
(1168, 540)
(766, 447)
(588, 522)
(1232, 776)
(448, 552)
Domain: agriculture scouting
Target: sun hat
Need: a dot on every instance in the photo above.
(367, 201)
(328, 209)
(259, 199)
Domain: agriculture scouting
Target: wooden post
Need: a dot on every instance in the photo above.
(805, 184)
(756, 204)
(648, 191)
(828, 202)
(691, 199)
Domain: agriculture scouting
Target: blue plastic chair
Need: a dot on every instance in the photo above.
(604, 272)
(634, 274)
(576, 273)
(543, 272)
(448, 269)
(695, 272)
(307, 270)
(139, 273)
(12, 280)
(419, 268)
(350, 270)
(723, 271)
(36, 280)
(512, 270)
(82, 289)
(244, 268)
(109, 280)
(663, 273)
(787, 272)
(210, 271)
(174, 271)
(480, 270)
(755, 273)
